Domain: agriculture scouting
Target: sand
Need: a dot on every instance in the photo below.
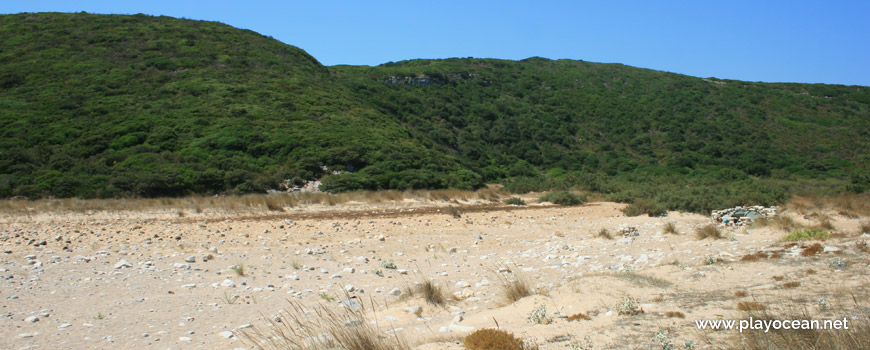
(154, 280)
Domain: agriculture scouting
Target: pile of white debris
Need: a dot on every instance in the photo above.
(740, 216)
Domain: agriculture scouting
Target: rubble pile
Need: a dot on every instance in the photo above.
(740, 216)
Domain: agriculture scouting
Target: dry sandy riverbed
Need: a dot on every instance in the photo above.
(144, 280)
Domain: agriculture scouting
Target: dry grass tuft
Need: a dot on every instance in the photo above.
(671, 228)
(778, 278)
(675, 314)
(492, 339)
(432, 293)
(513, 289)
(813, 249)
(852, 205)
(605, 234)
(792, 284)
(321, 328)
(740, 293)
(708, 231)
(750, 306)
(579, 316)
(857, 336)
(864, 227)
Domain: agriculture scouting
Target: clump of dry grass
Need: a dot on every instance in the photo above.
(513, 289)
(708, 231)
(433, 293)
(857, 336)
(792, 284)
(492, 339)
(675, 314)
(750, 306)
(740, 293)
(864, 227)
(579, 316)
(318, 328)
(778, 278)
(671, 228)
(852, 205)
(604, 233)
(813, 249)
(781, 222)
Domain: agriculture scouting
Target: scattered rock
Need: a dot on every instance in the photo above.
(123, 264)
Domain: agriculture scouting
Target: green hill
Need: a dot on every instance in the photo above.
(107, 105)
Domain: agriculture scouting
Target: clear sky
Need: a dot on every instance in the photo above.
(774, 41)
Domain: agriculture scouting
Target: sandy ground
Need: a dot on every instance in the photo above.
(158, 281)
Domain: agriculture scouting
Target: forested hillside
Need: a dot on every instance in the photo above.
(109, 105)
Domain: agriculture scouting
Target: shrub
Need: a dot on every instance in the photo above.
(807, 234)
(563, 198)
(605, 234)
(708, 231)
(515, 201)
(492, 339)
(645, 206)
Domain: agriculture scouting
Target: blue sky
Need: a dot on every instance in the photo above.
(775, 41)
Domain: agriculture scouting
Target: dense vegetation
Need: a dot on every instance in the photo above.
(107, 106)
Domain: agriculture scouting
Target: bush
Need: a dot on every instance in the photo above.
(645, 206)
(492, 339)
(563, 198)
(807, 235)
(515, 201)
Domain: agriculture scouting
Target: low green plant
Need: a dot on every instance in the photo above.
(807, 235)
(389, 265)
(515, 201)
(239, 269)
(562, 198)
(538, 315)
(629, 306)
(230, 300)
(327, 297)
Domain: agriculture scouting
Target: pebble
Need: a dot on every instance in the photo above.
(123, 264)
(226, 334)
(32, 319)
(228, 283)
(190, 259)
(415, 309)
